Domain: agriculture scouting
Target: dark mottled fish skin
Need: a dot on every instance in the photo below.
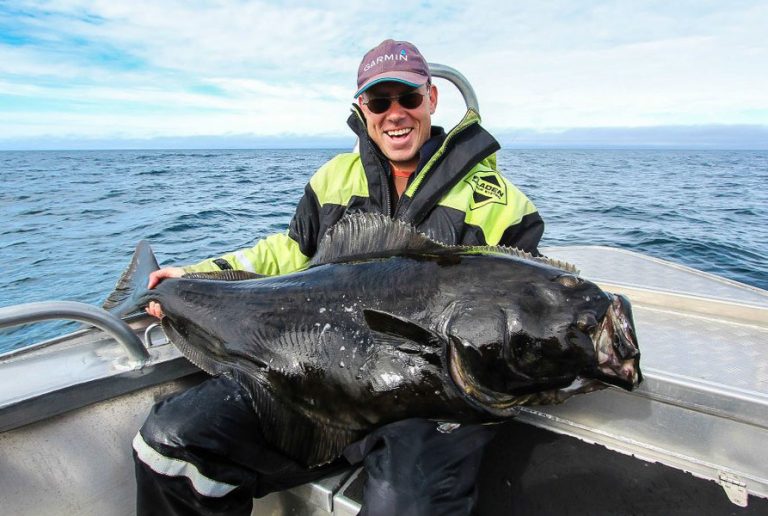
(411, 329)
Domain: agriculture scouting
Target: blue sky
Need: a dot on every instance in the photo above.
(106, 71)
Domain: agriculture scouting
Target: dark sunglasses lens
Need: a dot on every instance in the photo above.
(378, 106)
(408, 101)
(411, 100)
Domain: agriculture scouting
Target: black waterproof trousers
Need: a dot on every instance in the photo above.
(203, 452)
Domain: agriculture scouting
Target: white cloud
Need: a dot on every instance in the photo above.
(222, 67)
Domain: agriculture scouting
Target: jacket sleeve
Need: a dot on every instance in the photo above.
(525, 234)
(276, 254)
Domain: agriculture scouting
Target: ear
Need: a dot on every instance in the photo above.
(432, 99)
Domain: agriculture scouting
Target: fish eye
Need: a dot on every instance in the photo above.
(568, 280)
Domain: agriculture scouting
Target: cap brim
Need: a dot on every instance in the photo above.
(414, 80)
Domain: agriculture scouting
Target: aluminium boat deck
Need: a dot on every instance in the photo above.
(703, 407)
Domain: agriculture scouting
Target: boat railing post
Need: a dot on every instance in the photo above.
(72, 310)
(462, 84)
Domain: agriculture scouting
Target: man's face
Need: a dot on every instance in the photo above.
(400, 132)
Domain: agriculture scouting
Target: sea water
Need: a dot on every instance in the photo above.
(69, 220)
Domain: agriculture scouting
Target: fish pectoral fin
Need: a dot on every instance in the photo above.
(396, 326)
(395, 346)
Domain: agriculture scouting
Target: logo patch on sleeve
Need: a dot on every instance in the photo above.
(487, 188)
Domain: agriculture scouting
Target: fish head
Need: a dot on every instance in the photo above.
(566, 325)
(553, 331)
(615, 340)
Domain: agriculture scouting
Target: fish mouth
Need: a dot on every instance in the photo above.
(616, 349)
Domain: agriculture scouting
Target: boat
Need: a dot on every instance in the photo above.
(692, 439)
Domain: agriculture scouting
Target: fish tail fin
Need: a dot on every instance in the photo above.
(126, 298)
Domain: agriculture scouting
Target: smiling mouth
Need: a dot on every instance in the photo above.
(397, 134)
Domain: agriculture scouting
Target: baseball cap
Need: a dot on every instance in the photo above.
(391, 60)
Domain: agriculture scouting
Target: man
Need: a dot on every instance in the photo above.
(204, 451)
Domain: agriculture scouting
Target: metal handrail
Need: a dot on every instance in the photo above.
(458, 80)
(75, 311)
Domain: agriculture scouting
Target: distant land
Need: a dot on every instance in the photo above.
(737, 137)
(725, 137)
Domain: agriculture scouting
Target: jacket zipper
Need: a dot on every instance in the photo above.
(471, 117)
(387, 187)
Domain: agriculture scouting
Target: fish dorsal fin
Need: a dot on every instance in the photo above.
(366, 235)
(226, 275)
(519, 253)
(560, 264)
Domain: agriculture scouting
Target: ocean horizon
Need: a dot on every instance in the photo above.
(680, 137)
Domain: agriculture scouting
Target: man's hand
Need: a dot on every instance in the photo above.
(153, 308)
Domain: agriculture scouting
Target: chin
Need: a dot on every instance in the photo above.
(399, 156)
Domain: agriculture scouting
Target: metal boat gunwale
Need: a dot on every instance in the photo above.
(55, 341)
(105, 371)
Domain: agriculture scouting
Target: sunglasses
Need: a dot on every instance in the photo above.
(410, 100)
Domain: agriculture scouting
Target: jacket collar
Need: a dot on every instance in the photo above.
(445, 160)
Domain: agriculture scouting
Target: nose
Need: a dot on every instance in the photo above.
(396, 112)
